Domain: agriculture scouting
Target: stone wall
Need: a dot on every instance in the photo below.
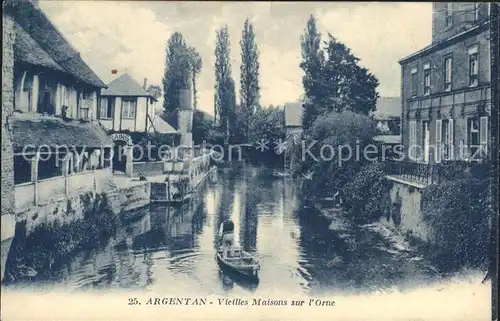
(406, 212)
(7, 184)
(7, 109)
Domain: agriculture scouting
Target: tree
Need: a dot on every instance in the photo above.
(347, 84)
(155, 91)
(312, 61)
(196, 64)
(202, 126)
(249, 78)
(224, 96)
(176, 75)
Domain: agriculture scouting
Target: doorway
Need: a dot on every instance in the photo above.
(119, 157)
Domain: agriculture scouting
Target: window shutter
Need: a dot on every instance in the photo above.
(451, 138)
(483, 133)
(438, 140)
(412, 138)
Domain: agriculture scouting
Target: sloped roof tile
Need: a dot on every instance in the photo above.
(125, 85)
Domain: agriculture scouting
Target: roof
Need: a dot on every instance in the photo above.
(37, 32)
(37, 130)
(28, 50)
(293, 114)
(387, 107)
(444, 43)
(125, 85)
(388, 139)
(162, 127)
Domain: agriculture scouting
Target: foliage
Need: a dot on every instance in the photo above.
(176, 75)
(331, 136)
(346, 81)
(333, 79)
(183, 65)
(196, 64)
(267, 124)
(249, 76)
(367, 193)
(458, 210)
(225, 95)
(39, 254)
(202, 125)
(312, 62)
(155, 91)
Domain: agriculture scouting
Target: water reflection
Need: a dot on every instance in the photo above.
(172, 248)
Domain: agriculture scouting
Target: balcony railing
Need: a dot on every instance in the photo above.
(419, 173)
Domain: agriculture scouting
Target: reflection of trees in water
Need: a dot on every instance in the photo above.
(323, 247)
(223, 208)
(248, 212)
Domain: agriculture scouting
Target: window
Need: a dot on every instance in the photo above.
(477, 137)
(447, 73)
(414, 82)
(473, 66)
(128, 108)
(106, 110)
(86, 105)
(449, 14)
(447, 138)
(427, 79)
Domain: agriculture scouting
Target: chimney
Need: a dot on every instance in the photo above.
(145, 86)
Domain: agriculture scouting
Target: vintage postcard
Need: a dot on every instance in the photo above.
(183, 160)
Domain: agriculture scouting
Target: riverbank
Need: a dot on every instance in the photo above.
(403, 246)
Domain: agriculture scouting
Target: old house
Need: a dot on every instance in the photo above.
(446, 100)
(59, 149)
(127, 106)
(446, 88)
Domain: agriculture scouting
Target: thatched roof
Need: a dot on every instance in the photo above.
(37, 130)
(47, 43)
(293, 114)
(27, 50)
(125, 85)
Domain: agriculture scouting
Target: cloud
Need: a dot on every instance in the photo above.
(113, 35)
(132, 35)
(380, 34)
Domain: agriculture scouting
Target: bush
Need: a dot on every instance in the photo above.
(334, 129)
(366, 195)
(459, 211)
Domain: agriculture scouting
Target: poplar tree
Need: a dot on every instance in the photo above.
(249, 78)
(176, 75)
(224, 96)
(312, 62)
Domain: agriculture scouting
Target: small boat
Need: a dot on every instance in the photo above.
(236, 260)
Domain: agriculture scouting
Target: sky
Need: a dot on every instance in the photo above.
(131, 36)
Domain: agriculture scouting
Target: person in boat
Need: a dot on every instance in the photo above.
(226, 233)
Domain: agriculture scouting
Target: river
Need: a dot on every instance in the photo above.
(163, 248)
